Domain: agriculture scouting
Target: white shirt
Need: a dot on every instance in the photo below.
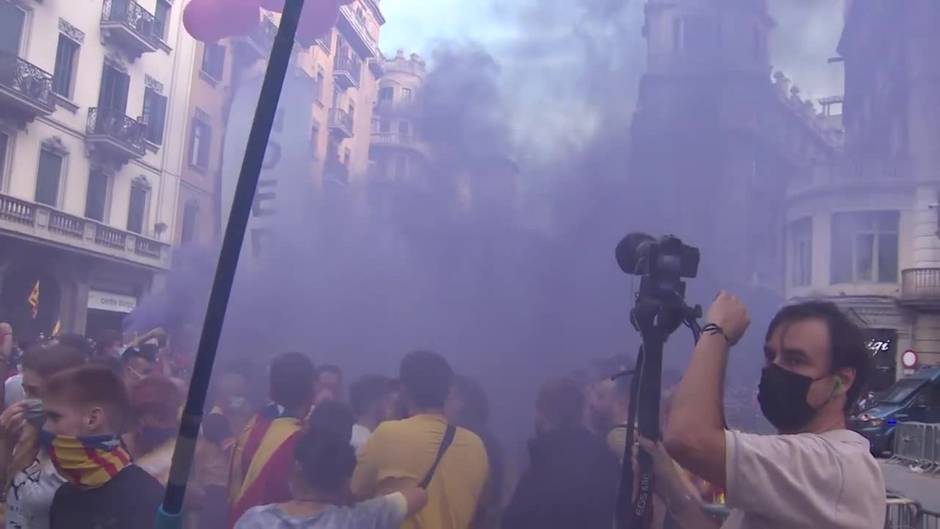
(13, 391)
(824, 481)
(360, 434)
(30, 495)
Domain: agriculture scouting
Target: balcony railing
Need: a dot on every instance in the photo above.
(397, 140)
(356, 32)
(347, 71)
(17, 211)
(115, 133)
(921, 287)
(341, 122)
(129, 26)
(49, 224)
(25, 87)
(257, 44)
(66, 224)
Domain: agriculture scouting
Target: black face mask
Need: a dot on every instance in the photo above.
(782, 396)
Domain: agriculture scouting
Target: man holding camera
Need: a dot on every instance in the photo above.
(815, 473)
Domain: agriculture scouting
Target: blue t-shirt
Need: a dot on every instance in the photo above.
(385, 512)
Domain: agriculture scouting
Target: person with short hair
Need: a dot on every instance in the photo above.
(34, 478)
(328, 384)
(368, 396)
(109, 344)
(155, 404)
(401, 454)
(86, 411)
(572, 476)
(320, 483)
(815, 473)
(263, 454)
(137, 363)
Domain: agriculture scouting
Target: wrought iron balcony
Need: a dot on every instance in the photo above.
(257, 44)
(114, 134)
(128, 26)
(50, 225)
(396, 140)
(920, 287)
(341, 123)
(25, 89)
(347, 71)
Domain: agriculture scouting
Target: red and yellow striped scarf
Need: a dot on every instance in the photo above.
(87, 462)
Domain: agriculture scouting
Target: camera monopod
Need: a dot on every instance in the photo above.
(658, 311)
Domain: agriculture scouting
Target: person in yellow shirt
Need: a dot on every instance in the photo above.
(401, 454)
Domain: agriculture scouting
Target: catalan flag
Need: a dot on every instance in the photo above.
(33, 300)
(263, 455)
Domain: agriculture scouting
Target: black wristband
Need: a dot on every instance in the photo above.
(713, 329)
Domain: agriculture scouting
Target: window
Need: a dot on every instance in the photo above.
(352, 113)
(213, 60)
(190, 221)
(801, 252)
(154, 115)
(96, 197)
(376, 123)
(347, 156)
(321, 84)
(865, 247)
(406, 95)
(693, 35)
(114, 85)
(65, 55)
(161, 18)
(385, 126)
(404, 128)
(386, 93)
(12, 18)
(4, 148)
(47, 178)
(315, 139)
(137, 207)
(199, 141)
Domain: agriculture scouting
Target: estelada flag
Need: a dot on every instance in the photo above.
(33, 300)
(262, 461)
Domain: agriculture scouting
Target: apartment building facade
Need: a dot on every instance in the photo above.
(90, 94)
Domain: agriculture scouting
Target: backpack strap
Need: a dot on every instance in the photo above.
(445, 444)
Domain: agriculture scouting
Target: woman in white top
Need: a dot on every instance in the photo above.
(28, 475)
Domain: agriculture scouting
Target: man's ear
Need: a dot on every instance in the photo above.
(95, 418)
(845, 378)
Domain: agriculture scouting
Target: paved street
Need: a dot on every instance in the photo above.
(922, 487)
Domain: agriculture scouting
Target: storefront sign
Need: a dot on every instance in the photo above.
(110, 301)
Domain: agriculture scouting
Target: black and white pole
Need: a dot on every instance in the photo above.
(170, 515)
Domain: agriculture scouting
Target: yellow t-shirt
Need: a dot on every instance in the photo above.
(400, 453)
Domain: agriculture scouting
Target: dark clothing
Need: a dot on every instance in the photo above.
(571, 483)
(129, 501)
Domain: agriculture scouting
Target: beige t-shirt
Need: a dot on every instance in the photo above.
(824, 481)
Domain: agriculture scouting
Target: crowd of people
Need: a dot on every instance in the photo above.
(90, 426)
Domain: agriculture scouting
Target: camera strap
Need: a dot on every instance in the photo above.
(446, 441)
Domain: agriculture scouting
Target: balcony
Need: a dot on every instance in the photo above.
(31, 220)
(341, 123)
(396, 140)
(129, 27)
(112, 134)
(25, 89)
(920, 288)
(257, 44)
(354, 28)
(347, 71)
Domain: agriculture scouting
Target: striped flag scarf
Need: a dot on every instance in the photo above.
(87, 462)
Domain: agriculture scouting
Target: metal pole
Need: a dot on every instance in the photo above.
(170, 514)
